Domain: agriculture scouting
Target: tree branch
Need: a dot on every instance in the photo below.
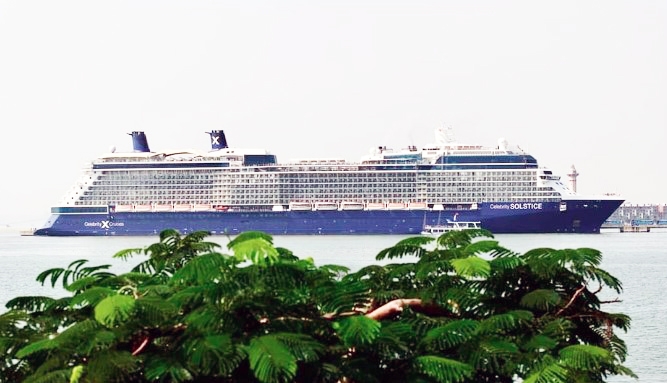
(576, 294)
(393, 307)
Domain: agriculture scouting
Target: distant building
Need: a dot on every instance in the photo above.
(629, 214)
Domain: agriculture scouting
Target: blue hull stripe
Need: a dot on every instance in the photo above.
(581, 216)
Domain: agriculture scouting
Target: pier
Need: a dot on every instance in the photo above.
(633, 227)
(630, 218)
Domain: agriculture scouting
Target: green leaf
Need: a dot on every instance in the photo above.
(303, 347)
(91, 296)
(463, 238)
(584, 356)
(506, 263)
(540, 343)
(77, 374)
(548, 373)
(259, 251)
(451, 334)
(163, 369)
(213, 355)
(471, 267)
(443, 369)
(498, 346)
(40, 345)
(358, 330)
(155, 309)
(127, 253)
(30, 303)
(508, 321)
(249, 236)
(542, 299)
(481, 247)
(112, 366)
(411, 247)
(334, 298)
(202, 269)
(114, 309)
(271, 360)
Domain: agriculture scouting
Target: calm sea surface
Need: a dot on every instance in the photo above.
(639, 260)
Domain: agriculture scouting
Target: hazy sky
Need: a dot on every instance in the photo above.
(579, 83)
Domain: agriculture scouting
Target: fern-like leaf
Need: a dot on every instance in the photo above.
(548, 373)
(249, 236)
(163, 369)
(471, 267)
(127, 253)
(271, 360)
(542, 299)
(302, 346)
(112, 366)
(443, 369)
(481, 247)
(463, 238)
(91, 296)
(451, 334)
(505, 322)
(497, 346)
(55, 376)
(358, 330)
(540, 343)
(30, 303)
(40, 345)
(412, 247)
(114, 309)
(77, 374)
(213, 355)
(154, 310)
(584, 356)
(259, 251)
(335, 298)
(202, 269)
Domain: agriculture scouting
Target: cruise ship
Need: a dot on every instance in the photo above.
(227, 190)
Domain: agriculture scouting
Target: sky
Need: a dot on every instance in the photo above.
(580, 83)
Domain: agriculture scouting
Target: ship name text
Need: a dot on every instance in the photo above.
(517, 206)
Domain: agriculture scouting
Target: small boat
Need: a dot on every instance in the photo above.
(350, 205)
(397, 206)
(326, 206)
(375, 206)
(450, 226)
(162, 207)
(27, 232)
(300, 206)
(182, 207)
(142, 207)
(417, 206)
(123, 208)
(202, 207)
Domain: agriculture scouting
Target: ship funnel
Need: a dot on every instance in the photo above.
(139, 142)
(218, 140)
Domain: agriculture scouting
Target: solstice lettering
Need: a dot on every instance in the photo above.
(517, 206)
(526, 206)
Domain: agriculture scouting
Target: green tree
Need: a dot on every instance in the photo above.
(466, 310)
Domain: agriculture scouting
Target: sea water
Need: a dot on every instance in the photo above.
(639, 260)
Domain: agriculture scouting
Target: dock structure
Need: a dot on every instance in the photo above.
(635, 229)
(629, 218)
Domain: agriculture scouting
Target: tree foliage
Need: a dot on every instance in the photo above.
(467, 310)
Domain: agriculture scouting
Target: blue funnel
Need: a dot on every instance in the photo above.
(218, 140)
(139, 142)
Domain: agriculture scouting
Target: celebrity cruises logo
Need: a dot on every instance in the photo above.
(106, 225)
